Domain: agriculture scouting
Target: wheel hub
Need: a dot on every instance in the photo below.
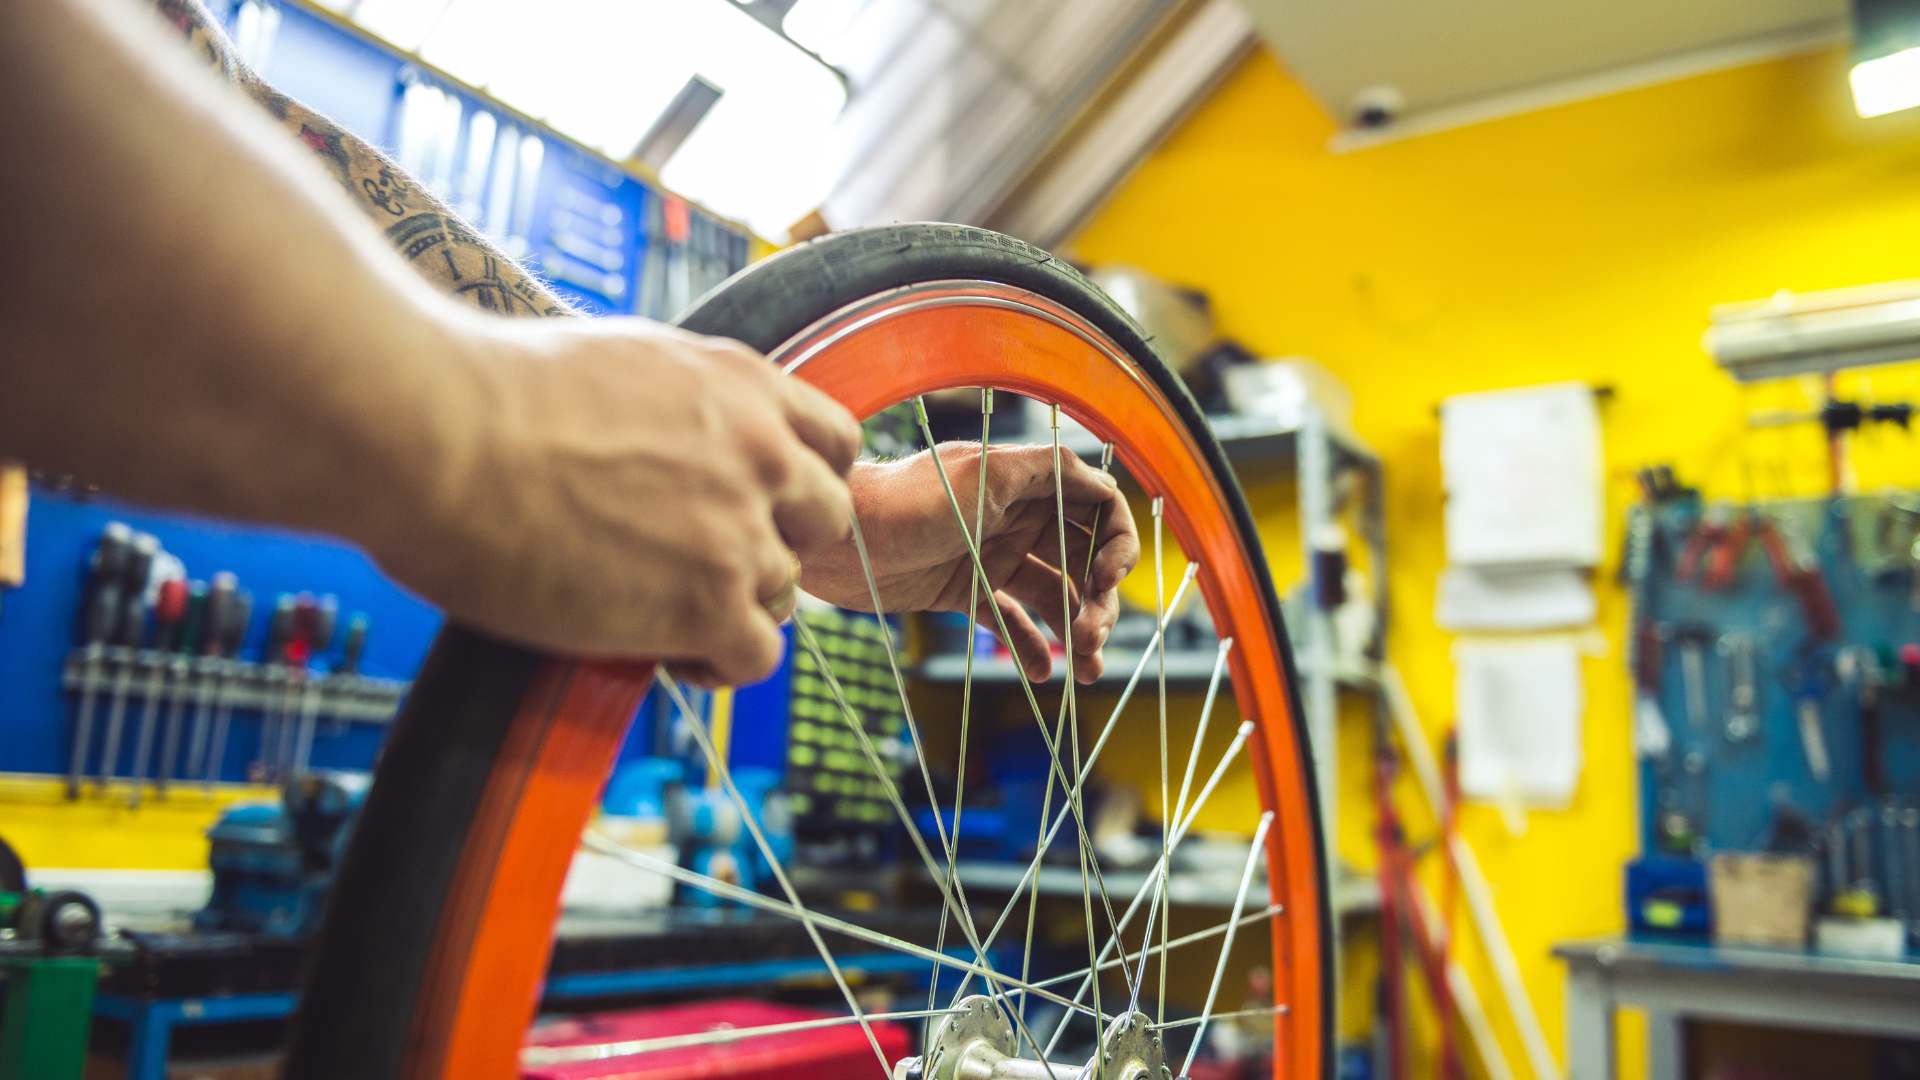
(977, 1043)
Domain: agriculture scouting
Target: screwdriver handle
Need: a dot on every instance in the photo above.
(299, 647)
(326, 619)
(222, 593)
(233, 628)
(356, 644)
(194, 626)
(133, 590)
(169, 612)
(280, 629)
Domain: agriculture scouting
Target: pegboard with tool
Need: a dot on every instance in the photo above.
(1776, 655)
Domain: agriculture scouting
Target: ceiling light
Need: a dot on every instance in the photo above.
(1886, 56)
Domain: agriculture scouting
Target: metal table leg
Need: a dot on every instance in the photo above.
(1590, 1052)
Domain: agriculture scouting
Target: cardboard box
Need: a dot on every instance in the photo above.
(1760, 899)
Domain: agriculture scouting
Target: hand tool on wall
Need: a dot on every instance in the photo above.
(1652, 736)
(1910, 857)
(1813, 740)
(1858, 667)
(280, 628)
(1898, 902)
(169, 611)
(1692, 639)
(130, 629)
(232, 634)
(1743, 687)
(213, 616)
(99, 616)
(325, 617)
(179, 682)
(1865, 887)
(1797, 569)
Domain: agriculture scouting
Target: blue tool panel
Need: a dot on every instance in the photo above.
(1781, 645)
(39, 623)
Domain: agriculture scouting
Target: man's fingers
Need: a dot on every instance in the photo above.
(745, 650)
(1117, 546)
(1028, 644)
(821, 422)
(811, 505)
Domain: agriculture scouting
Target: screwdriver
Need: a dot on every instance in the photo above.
(325, 616)
(232, 633)
(211, 624)
(280, 628)
(179, 670)
(169, 611)
(354, 645)
(130, 627)
(99, 611)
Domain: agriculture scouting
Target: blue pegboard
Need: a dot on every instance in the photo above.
(1862, 545)
(38, 621)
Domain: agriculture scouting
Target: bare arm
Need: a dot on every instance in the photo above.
(448, 252)
(193, 316)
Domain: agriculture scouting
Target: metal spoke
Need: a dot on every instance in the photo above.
(1113, 719)
(1271, 1010)
(1166, 857)
(1197, 936)
(1166, 819)
(966, 686)
(1026, 686)
(594, 841)
(1226, 947)
(1180, 804)
(1073, 722)
(1093, 527)
(893, 795)
(719, 769)
(561, 1055)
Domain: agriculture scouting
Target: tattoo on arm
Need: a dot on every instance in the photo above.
(428, 234)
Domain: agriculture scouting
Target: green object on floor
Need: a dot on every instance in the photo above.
(49, 1011)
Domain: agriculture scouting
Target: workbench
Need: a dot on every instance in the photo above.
(159, 981)
(1676, 981)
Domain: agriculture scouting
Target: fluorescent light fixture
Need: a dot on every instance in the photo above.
(1887, 84)
(1886, 56)
(606, 71)
(1799, 333)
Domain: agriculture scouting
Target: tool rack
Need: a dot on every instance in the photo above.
(1776, 640)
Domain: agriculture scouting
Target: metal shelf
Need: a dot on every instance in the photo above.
(1183, 666)
(1186, 667)
(1351, 894)
(1247, 440)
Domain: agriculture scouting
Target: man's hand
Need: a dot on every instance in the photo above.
(920, 560)
(634, 490)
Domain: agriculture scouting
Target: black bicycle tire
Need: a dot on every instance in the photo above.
(372, 953)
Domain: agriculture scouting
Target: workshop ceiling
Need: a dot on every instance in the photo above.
(1445, 53)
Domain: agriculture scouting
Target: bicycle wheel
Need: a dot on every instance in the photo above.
(436, 937)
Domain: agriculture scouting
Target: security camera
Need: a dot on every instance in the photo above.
(1376, 106)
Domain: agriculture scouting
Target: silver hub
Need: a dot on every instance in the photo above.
(977, 1043)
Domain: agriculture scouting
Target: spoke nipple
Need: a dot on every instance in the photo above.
(1055, 417)
(1157, 501)
(986, 401)
(920, 408)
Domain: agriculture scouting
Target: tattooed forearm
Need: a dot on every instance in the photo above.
(442, 248)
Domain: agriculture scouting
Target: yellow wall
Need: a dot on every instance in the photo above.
(1581, 242)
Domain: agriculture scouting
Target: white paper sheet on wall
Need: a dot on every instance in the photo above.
(1518, 707)
(1522, 470)
(1503, 598)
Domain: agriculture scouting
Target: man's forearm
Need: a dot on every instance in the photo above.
(192, 316)
(430, 235)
